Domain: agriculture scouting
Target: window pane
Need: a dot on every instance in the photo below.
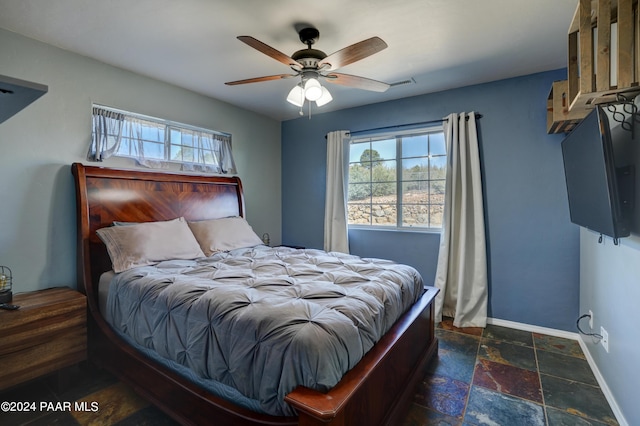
(384, 149)
(415, 192)
(208, 157)
(187, 154)
(385, 190)
(356, 150)
(187, 139)
(359, 214)
(385, 171)
(437, 191)
(359, 191)
(437, 144)
(438, 168)
(359, 173)
(153, 150)
(415, 146)
(176, 153)
(436, 212)
(370, 158)
(384, 215)
(436, 203)
(415, 168)
(415, 215)
(151, 132)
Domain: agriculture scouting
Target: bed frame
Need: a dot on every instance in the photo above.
(378, 390)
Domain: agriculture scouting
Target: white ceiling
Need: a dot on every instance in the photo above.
(441, 44)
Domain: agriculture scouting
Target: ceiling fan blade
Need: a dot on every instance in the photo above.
(259, 79)
(353, 53)
(270, 51)
(357, 82)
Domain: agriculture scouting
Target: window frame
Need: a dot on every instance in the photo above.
(398, 136)
(167, 144)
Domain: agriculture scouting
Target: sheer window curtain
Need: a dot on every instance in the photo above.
(213, 151)
(461, 273)
(105, 123)
(336, 237)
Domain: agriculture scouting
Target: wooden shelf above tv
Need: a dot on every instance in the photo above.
(603, 61)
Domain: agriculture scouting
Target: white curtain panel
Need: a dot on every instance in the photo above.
(461, 273)
(106, 134)
(336, 237)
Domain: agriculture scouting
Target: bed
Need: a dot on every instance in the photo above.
(376, 390)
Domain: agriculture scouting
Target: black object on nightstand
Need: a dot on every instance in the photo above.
(6, 278)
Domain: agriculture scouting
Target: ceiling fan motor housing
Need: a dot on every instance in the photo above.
(309, 58)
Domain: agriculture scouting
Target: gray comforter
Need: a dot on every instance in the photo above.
(263, 320)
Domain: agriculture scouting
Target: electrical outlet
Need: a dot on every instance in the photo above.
(590, 319)
(605, 339)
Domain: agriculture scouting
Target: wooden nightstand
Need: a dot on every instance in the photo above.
(47, 333)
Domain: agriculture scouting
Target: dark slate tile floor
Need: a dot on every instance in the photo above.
(491, 376)
(502, 376)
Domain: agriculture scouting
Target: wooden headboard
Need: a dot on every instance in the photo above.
(105, 195)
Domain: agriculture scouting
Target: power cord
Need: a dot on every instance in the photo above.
(596, 335)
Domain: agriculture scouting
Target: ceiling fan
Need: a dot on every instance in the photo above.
(312, 65)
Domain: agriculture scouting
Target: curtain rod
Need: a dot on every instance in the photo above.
(478, 116)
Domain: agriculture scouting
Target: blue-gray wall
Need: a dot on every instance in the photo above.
(533, 248)
(39, 143)
(610, 289)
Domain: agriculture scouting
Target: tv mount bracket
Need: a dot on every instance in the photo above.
(629, 115)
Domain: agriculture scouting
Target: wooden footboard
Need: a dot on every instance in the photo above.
(379, 388)
(376, 391)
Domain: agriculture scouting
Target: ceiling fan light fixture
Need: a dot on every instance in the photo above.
(296, 96)
(325, 98)
(312, 89)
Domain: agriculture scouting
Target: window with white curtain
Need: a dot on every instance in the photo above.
(155, 142)
(397, 180)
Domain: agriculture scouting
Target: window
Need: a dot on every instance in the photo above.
(398, 180)
(154, 142)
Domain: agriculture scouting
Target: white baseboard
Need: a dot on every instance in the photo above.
(533, 328)
(603, 384)
(573, 336)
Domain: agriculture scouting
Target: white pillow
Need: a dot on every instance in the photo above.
(224, 234)
(149, 243)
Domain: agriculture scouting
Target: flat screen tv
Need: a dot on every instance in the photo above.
(600, 194)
